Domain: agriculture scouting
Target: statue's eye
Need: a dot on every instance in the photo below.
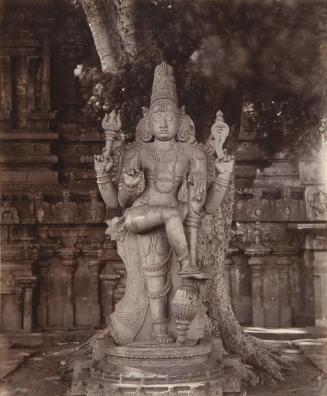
(157, 118)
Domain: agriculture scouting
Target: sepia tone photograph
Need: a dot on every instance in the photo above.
(163, 197)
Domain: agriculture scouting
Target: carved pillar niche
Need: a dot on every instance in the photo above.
(5, 92)
(285, 313)
(257, 271)
(42, 303)
(316, 242)
(256, 253)
(68, 261)
(25, 114)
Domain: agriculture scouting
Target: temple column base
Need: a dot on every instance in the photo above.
(155, 370)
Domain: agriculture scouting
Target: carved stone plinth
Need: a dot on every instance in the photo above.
(152, 369)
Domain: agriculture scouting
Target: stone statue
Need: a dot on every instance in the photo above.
(164, 182)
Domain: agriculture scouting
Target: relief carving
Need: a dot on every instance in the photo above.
(65, 211)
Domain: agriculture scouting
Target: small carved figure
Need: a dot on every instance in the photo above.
(163, 160)
(319, 205)
(218, 135)
(95, 209)
(40, 208)
(65, 211)
(8, 213)
(257, 207)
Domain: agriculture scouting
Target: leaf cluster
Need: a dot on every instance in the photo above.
(267, 52)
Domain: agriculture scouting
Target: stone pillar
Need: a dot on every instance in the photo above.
(42, 308)
(257, 269)
(6, 94)
(228, 264)
(68, 262)
(285, 313)
(109, 282)
(27, 283)
(320, 288)
(94, 266)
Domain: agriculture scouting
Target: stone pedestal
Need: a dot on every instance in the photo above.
(152, 369)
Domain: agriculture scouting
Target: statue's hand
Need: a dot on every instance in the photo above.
(112, 122)
(225, 166)
(102, 165)
(132, 177)
(219, 131)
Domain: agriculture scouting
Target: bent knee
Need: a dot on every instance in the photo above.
(130, 223)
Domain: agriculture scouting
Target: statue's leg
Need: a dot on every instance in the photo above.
(155, 252)
(144, 218)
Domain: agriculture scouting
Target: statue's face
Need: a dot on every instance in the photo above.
(164, 125)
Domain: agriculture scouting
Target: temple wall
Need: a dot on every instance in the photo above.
(58, 270)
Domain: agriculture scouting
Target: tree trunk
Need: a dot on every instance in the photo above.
(112, 23)
(106, 40)
(259, 361)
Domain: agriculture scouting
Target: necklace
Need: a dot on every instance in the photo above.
(164, 169)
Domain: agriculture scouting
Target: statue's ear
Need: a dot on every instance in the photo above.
(186, 130)
(143, 129)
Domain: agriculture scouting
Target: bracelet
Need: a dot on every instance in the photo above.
(221, 182)
(104, 179)
(128, 191)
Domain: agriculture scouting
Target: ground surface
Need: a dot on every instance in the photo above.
(39, 369)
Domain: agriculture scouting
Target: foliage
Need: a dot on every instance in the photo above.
(222, 52)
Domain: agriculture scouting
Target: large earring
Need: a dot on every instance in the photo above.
(186, 130)
(143, 130)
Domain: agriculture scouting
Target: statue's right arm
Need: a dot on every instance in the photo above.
(107, 188)
(109, 195)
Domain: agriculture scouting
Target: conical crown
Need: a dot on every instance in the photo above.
(164, 95)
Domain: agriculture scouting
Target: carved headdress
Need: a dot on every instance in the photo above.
(164, 98)
(164, 95)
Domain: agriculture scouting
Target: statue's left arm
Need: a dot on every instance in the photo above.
(217, 188)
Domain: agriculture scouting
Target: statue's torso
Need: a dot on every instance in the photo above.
(164, 173)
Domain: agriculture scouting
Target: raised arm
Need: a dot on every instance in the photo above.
(107, 188)
(224, 164)
(218, 187)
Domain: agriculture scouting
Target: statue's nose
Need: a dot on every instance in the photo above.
(163, 123)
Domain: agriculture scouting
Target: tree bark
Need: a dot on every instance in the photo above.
(125, 22)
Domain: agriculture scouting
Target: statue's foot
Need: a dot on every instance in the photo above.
(160, 333)
(163, 338)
